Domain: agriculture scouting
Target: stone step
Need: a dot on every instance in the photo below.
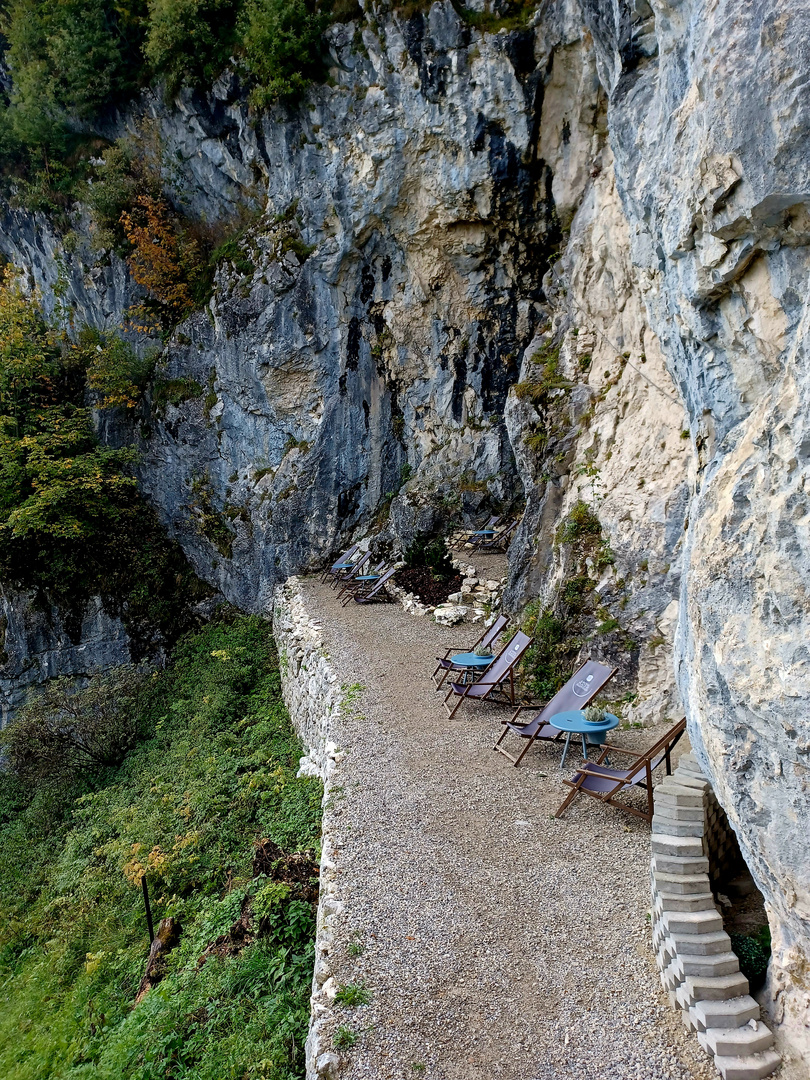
(691, 780)
(726, 963)
(674, 864)
(680, 813)
(699, 944)
(734, 1013)
(711, 988)
(748, 1067)
(682, 846)
(693, 772)
(752, 1038)
(674, 795)
(689, 763)
(673, 827)
(692, 922)
(672, 978)
(679, 902)
(685, 884)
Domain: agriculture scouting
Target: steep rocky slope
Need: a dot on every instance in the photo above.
(608, 211)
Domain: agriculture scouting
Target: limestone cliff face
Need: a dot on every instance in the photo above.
(708, 127)
(622, 189)
(37, 644)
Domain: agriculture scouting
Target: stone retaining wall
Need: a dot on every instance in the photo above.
(698, 968)
(315, 700)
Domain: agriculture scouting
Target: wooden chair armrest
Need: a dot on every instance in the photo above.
(610, 749)
(518, 710)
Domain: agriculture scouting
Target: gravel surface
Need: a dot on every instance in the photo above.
(496, 941)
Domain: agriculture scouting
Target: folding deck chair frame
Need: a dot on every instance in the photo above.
(490, 635)
(492, 680)
(606, 784)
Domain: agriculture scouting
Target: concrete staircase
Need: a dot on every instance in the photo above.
(699, 971)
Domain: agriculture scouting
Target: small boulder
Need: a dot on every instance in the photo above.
(449, 614)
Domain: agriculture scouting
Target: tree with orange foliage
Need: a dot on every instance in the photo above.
(166, 260)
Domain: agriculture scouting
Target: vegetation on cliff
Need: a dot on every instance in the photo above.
(72, 64)
(208, 804)
(72, 523)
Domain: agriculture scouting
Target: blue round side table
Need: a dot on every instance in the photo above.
(574, 723)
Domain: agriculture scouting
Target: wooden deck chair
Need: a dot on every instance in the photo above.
(342, 563)
(595, 779)
(378, 593)
(498, 542)
(342, 576)
(354, 584)
(486, 640)
(491, 682)
(489, 527)
(357, 588)
(582, 687)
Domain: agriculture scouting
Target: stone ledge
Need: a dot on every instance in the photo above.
(315, 699)
(698, 969)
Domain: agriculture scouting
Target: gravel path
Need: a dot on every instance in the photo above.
(497, 942)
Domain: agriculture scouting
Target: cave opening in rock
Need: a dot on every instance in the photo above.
(738, 897)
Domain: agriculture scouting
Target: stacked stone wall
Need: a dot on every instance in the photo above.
(722, 847)
(315, 700)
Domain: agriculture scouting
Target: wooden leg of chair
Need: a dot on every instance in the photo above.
(452, 712)
(570, 798)
(526, 748)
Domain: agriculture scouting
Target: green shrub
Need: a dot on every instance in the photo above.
(66, 734)
(581, 523)
(115, 371)
(215, 770)
(114, 184)
(545, 664)
(352, 995)
(69, 60)
(174, 392)
(754, 954)
(72, 524)
(429, 550)
(190, 41)
(282, 46)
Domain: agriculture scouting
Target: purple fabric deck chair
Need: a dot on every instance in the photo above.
(498, 542)
(485, 641)
(342, 563)
(378, 593)
(342, 576)
(582, 687)
(594, 778)
(501, 670)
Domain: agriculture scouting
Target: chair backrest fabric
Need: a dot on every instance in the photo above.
(582, 687)
(492, 633)
(506, 659)
(345, 557)
(386, 576)
(364, 558)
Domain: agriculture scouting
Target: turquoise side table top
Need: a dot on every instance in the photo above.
(471, 659)
(575, 721)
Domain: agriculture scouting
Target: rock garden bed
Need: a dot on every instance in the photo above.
(422, 583)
